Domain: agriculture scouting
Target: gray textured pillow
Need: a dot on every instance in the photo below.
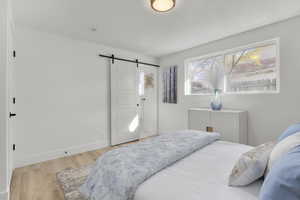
(251, 165)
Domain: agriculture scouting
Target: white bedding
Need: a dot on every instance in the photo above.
(200, 176)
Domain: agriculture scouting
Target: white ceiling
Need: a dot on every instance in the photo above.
(132, 25)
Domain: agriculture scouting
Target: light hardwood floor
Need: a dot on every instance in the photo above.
(38, 181)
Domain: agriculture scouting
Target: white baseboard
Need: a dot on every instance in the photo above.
(4, 195)
(29, 160)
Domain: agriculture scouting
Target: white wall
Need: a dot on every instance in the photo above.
(62, 95)
(269, 114)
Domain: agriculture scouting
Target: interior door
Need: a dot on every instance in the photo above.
(11, 97)
(125, 117)
(148, 98)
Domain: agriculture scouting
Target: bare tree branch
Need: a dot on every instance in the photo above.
(234, 64)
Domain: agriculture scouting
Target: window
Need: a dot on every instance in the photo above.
(250, 69)
(204, 75)
(141, 83)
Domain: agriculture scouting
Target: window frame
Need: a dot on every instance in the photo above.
(275, 41)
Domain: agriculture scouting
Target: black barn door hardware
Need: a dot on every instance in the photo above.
(113, 58)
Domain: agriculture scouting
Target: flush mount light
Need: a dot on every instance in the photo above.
(162, 5)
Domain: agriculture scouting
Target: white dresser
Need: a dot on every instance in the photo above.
(231, 124)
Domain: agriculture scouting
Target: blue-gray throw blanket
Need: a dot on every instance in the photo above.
(118, 173)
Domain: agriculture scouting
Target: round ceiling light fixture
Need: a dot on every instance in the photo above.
(163, 5)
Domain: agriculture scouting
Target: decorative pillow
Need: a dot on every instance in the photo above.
(282, 183)
(283, 147)
(251, 165)
(290, 131)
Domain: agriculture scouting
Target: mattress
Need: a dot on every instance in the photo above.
(201, 176)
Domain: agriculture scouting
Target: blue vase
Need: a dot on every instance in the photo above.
(216, 103)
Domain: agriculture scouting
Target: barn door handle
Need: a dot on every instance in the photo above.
(12, 114)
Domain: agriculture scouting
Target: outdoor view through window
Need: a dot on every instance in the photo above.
(252, 69)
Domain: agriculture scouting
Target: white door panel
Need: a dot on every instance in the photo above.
(125, 119)
(126, 99)
(127, 127)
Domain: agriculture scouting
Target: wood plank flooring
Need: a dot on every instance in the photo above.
(38, 181)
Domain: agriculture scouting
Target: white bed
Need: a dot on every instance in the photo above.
(200, 176)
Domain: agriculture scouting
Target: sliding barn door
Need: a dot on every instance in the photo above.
(125, 119)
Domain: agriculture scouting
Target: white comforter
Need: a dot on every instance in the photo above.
(200, 176)
(117, 174)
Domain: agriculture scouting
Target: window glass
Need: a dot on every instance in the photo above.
(205, 75)
(253, 69)
(141, 84)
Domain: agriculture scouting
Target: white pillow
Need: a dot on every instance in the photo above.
(251, 165)
(283, 147)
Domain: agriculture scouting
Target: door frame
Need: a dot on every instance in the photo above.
(141, 66)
